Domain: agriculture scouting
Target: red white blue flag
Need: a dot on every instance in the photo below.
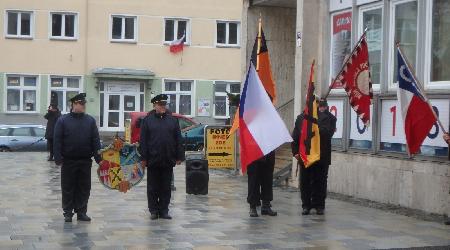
(261, 128)
(418, 117)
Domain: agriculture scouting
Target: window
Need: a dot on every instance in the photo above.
(372, 19)
(39, 132)
(4, 131)
(176, 29)
(221, 102)
(62, 89)
(227, 33)
(340, 41)
(21, 93)
(21, 132)
(405, 32)
(180, 96)
(19, 24)
(440, 41)
(123, 28)
(63, 25)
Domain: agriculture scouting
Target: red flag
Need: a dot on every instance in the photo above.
(355, 78)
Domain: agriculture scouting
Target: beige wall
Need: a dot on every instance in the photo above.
(93, 49)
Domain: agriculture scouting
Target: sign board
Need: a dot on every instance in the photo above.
(337, 109)
(123, 87)
(392, 128)
(204, 107)
(220, 147)
(357, 129)
(340, 42)
(128, 130)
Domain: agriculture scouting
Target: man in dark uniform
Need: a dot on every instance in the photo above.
(161, 149)
(313, 180)
(76, 141)
(52, 116)
(260, 179)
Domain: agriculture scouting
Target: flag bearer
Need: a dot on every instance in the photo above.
(76, 141)
(260, 179)
(313, 180)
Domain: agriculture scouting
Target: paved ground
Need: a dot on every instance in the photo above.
(30, 217)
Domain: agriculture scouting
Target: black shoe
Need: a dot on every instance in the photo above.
(51, 159)
(83, 217)
(67, 218)
(306, 211)
(267, 210)
(447, 223)
(253, 212)
(165, 216)
(173, 188)
(320, 211)
(154, 216)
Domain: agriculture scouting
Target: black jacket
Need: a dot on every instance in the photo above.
(160, 140)
(327, 127)
(76, 137)
(52, 117)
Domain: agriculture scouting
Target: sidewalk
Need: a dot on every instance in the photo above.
(31, 217)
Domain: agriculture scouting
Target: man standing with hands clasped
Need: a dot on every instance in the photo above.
(76, 141)
(161, 149)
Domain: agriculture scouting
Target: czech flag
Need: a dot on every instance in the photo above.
(261, 128)
(177, 45)
(418, 116)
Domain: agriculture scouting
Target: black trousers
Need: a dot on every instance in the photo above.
(313, 185)
(260, 180)
(50, 147)
(159, 180)
(75, 185)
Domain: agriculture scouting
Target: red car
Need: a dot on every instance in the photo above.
(136, 117)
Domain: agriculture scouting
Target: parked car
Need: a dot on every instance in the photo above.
(23, 137)
(191, 131)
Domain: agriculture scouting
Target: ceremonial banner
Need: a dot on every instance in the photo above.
(120, 167)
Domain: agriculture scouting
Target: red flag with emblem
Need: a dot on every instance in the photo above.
(355, 78)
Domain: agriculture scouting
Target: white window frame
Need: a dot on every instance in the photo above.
(227, 34)
(122, 35)
(362, 9)
(227, 102)
(19, 20)
(392, 86)
(64, 89)
(330, 61)
(428, 43)
(175, 29)
(22, 88)
(63, 26)
(177, 93)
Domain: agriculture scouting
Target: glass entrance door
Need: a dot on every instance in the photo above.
(117, 108)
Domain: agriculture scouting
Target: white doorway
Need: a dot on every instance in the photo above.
(119, 99)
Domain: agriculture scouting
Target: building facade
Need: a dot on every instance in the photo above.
(370, 163)
(118, 53)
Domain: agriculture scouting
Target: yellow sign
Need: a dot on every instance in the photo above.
(220, 147)
(128, 130)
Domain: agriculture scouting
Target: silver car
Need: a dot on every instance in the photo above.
(22, 137)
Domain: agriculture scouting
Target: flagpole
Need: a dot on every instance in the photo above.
(346, 61)
(419, 85)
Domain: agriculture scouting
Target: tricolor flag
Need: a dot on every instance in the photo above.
(418, 117)
(309, 141)
(261, 128)
(260, 58)
(355, 78)
(177, 45)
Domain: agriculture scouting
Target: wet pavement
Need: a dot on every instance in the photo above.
(31, 217)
